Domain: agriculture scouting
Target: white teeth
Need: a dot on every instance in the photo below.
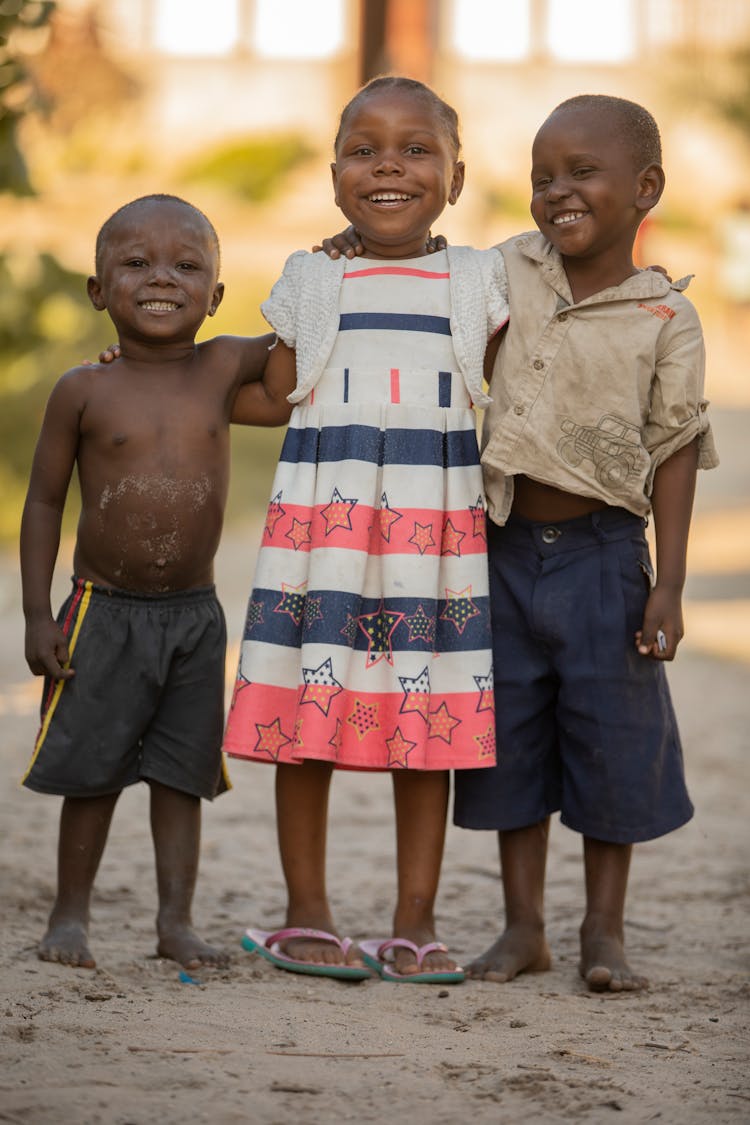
(568, 217)
(159, 306)
(389, 197)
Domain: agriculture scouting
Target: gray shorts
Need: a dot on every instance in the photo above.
(147, 700)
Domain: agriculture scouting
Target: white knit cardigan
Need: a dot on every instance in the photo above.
(303, 310)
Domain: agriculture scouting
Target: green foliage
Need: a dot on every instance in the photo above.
(18, 95)
(252, 168)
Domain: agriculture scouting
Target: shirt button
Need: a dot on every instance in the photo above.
(538, 364)
(550, 534)
(518, 408)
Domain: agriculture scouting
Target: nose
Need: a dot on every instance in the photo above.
(162, 274)
(558, 188)
(388, 164)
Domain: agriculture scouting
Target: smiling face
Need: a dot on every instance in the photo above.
(157, 272)
(396, 168)
(588, 195)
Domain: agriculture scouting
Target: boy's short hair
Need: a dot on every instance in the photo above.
(156, 197)
(635, 124)
(446, 113)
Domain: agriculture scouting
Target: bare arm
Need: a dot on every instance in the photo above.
(264, 402)
(672, 504)
(46, 646)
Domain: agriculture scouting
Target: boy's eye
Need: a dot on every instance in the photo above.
(186, 266)
(135, 263)
(416, 150)
(363, 150)
(584, 171)
(541, 182)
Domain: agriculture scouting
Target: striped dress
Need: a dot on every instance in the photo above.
(367, 639)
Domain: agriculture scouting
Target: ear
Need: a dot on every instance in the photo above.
(649, 187)
(94, 290)
(217, 298)
(335, 184)
(457, 182)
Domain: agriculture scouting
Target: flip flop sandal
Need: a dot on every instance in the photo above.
(375, 954)
(267, 943)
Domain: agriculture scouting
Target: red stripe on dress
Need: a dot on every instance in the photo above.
(395, 385)
(379, 531)
(396, 271)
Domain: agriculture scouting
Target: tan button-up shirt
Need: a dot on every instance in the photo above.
(591, 397)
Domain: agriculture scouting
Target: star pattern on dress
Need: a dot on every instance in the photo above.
(338, 513)
(292, 601)
(379, 627)
(387, 516)
(416, 693)
(486, 743)
(364, 718)
(271, 739)
(459, 608)
(298, 743)
(422, 537)
(451, 543)
(399, 749)
(312, 612)
(299, 533)
(442, 723)
(479, 518)
(420, 626)
(485, 687)
(350, 630)
(254, 615)
(274, 514)
(321, 686)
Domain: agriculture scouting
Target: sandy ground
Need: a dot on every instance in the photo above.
(131, 1043)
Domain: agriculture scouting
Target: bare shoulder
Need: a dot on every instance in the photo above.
(238, 358)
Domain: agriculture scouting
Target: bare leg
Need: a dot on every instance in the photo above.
(302, 822)
(176, 832)
(603, 965)
(421, 800)
(522, 947)
(84, 825)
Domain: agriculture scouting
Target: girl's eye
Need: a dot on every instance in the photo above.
(416, 150)
(186, 266)
(538, 185)
(363, 150)
(582, 171)
(135, 263)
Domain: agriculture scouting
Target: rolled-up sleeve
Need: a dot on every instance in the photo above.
(678, 411)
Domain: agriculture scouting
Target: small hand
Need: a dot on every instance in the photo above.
(662, 628)
(346, 242)
(435, 243)
(47, 652)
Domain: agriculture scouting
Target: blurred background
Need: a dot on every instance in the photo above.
(234, 105)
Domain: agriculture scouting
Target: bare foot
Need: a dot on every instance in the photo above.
(67, 943)
(603, 965)
(183, 945)
(520, 949)
(405, 962)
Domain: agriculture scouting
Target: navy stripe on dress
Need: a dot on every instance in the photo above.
(381, 447)
(398, 322)
(331, 616)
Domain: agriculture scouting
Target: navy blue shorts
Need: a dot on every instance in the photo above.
(585, 724)
(147, 700)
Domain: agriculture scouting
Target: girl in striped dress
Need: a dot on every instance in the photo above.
(367, 640)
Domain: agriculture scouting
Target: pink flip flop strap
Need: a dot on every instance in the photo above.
(303, 932)
(419, 951)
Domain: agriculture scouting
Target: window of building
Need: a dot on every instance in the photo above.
(299, 29)
(191, 29)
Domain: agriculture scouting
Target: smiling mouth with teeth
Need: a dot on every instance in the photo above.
(568, 217)
(159, 306)
(389, 197)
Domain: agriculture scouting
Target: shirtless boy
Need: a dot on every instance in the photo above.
(134, 664)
